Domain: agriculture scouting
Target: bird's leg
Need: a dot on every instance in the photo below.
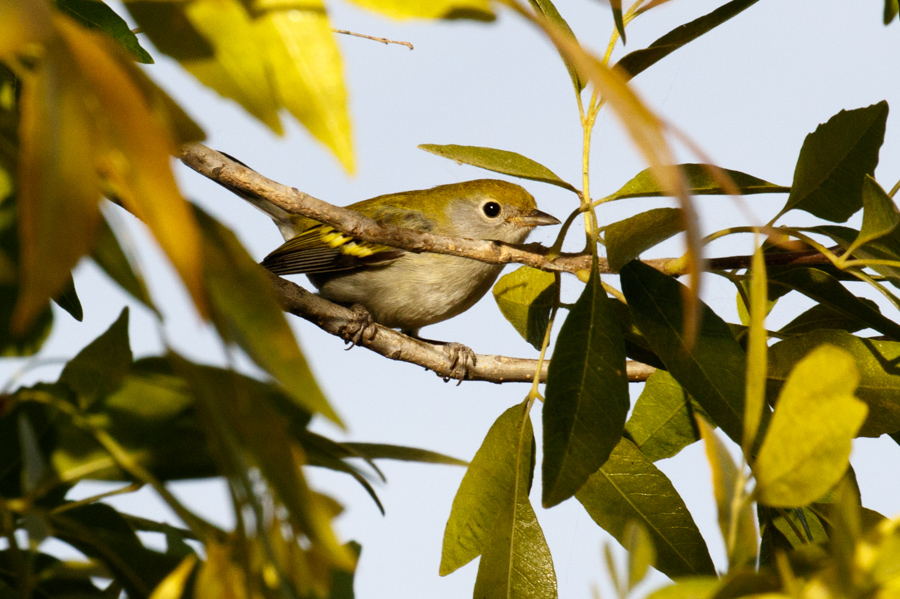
(462, 358)
(359, 327)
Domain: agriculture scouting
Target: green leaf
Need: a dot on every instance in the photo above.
(246, 311)
(662, 422)
(699, 181)
(757, 348)
(381, 451)
(487, 489)
(640, 60)
(525, 297)
(629, 487)
(834, 161)
(101, 367)
(823, 316)
(712, 370)
(499, 161)
(548, 10)
(97, 15)
(807, 446)
(738, 527)
(586, 399)
(884, 248)
(880, 215)
(691, 587)
(891, 8)
(616, 6)
(629, 238)
(68, 300)
(112, 260)
(825, 289)
(786, 530)
(479, 10)
(879, 383)
(516, 560)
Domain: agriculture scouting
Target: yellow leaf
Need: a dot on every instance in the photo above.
(308, 75)
(23, 22)
(172, 586)
(430, 9)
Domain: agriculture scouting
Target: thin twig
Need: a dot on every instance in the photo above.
(383, 40)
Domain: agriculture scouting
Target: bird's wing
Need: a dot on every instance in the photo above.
(321, 249)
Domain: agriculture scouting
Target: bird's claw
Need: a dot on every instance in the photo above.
(462, 358)
(359, 327)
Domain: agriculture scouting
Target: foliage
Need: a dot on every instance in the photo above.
(80, 122)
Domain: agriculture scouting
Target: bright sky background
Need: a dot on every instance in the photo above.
(747, 93)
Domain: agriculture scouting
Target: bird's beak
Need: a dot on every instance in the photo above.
(536, 218)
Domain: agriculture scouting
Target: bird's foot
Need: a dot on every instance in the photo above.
(360, 326)
(462, 358)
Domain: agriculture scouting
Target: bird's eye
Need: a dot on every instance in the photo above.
(491, 209)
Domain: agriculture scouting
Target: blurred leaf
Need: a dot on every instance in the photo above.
(788, 529)
(823, 316)
(100, 368)
(51, 578)
(662, 422)
(100, 532)
(380, 451)
(586, 398)
(641, 552)
(24, 23)
(640, 60)
(217, 43)
(712, 371)
(629, 487)
(525, 297)
(499, 161)
(58, 191)
(880, 215)
(34, 466)
(699, 181)
(891, 7)
(112, 260)
(549, 11)
(151, 415)
(738, 527)
(516, 560)
(757, 352)
(246, 311)
(173, 585)
(68, 300)
(879, 383)
(97, 15)
(833, 162)
(691, 587)
(307, 73)
(825, 289)
(432, 9)
(629, 238)
(42, 422)
(488, 488)
(807, 445)
(616, 6)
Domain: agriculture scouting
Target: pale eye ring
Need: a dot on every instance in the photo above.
(491, 209)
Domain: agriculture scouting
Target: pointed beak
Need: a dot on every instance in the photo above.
(536, 218)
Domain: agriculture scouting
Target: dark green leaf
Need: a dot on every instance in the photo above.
(885, 248)
(712, 370)
(662, 422)
(789, 529)
(68, 301)
(499, 161)
(109, 256)
(823, 316)
(880, 215)
(640, 60)
(488, 488)
(246, 311)
(834, 161)
(525, 297)
(629, 487)
(380, 451)
(636, 347)
(879, 384)
(616, 6)
(516, 560)
(629, 238)
(825, 289)
(101, 366)
(700, 181)
(97, 15)
(43, 422)
(891, 8)
(586, 400)
(546, 8)
(50, 575)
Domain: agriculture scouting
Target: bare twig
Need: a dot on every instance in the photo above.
(383, 40)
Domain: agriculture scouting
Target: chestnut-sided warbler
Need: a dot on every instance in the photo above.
(401, 289)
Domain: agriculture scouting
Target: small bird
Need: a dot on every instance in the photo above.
(401, 289)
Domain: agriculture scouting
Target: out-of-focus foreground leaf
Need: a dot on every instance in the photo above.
(430, 9)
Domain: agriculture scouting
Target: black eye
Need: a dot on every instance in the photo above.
(491, 209)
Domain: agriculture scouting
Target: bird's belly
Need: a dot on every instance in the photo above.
(414, 291)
